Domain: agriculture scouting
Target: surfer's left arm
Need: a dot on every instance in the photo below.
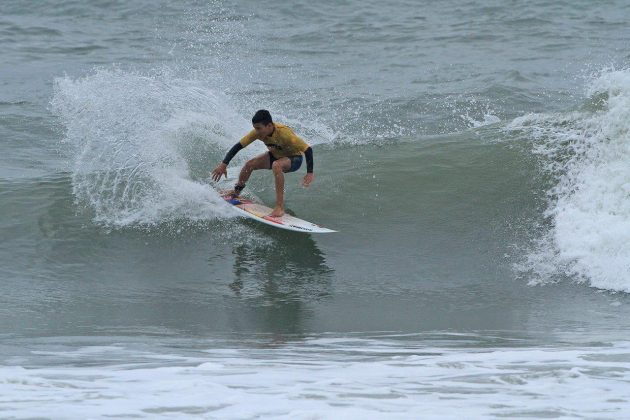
(308, 178)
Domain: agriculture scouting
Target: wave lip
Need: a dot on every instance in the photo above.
(133, 137)
(588, 154)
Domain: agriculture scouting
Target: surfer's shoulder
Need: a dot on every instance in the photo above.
(284, 129)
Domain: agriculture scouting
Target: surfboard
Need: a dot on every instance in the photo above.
(260, 213)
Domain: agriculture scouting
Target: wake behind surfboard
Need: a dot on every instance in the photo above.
(260, 213)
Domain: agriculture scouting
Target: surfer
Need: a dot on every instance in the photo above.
(284, 155)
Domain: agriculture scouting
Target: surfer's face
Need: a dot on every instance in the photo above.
(263, 130)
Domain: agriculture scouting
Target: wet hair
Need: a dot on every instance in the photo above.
(262, 116)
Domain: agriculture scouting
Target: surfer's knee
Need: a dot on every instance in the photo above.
(277, 166)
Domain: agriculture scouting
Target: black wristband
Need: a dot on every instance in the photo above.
(308, 153)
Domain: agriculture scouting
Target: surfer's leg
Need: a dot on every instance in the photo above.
(279, 167)
(259, 162)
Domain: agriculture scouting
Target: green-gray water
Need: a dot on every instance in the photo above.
(472, 155)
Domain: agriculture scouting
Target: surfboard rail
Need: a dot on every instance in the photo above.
(260, 213)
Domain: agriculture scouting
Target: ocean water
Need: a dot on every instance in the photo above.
(473, 156)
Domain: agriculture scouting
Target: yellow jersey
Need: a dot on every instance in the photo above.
(281, 143)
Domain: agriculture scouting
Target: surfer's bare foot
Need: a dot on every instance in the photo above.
(229, 194)
(277, 212)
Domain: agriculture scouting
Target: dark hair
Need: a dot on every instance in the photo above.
(262, 116)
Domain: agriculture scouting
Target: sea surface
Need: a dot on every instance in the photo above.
(473, 155)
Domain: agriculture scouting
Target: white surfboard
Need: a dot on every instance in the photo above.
(261, 213)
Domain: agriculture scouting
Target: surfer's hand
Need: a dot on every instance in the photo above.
(221, 169)
(308, 178)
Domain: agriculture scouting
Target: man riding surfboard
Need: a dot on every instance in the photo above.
(284, 155)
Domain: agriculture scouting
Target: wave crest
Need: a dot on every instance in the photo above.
(588, 154)
(136, 140)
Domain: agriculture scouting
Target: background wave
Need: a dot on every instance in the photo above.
(586, 153)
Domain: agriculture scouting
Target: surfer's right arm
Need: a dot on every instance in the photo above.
(231, 153)
(221, 168)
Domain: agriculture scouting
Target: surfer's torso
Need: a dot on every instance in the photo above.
(282, 142)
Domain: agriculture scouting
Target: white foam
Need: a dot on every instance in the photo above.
(488, 119)
(589, 154)
(133, 136)
(356, 379)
